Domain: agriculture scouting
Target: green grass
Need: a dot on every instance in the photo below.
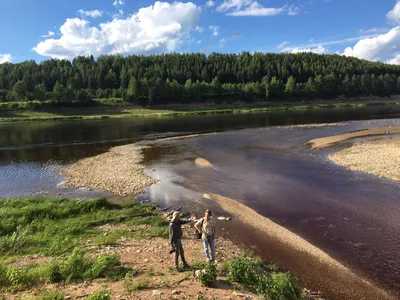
(116, 108)
(60, 229)
(265, 280)
(99, 295)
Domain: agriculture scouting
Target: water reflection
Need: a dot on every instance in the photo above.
(66, 141)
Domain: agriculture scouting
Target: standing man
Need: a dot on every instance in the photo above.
(175, 238)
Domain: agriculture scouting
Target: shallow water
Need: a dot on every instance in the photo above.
(351, 216)
(31, 153)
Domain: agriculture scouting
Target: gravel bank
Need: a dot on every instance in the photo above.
(330, 140)
(118, 171)
(380, 158)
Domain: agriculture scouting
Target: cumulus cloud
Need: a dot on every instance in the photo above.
(161, 27)
(210, 3)
(394, 14)
(49, 34)
(251, 8)
(90, 13)
(214, 30)
(395, 61)
(383, 47)
(319, 50)
(5, 58)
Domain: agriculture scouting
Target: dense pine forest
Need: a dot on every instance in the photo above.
(184, 78)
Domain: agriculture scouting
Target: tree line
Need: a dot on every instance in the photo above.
(196, 77)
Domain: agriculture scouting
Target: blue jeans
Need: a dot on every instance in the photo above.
(209, 241)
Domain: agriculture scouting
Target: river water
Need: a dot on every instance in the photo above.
(352, 216)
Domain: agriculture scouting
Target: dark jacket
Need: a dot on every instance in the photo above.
(175, 230)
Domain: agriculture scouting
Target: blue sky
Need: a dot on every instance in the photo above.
(39, 29)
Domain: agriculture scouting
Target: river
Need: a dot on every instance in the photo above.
(351, 216)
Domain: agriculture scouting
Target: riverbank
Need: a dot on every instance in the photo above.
(380, 158)
(325, 142)
(118, 171)
(283, 245)
(87, 249)
(129, 111)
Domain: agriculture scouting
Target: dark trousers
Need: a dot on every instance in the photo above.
(179, 252)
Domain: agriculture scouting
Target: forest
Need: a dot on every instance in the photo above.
(188, 78)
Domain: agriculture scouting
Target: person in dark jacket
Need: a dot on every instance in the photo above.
(175, 238)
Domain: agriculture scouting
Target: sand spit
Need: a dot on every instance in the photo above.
(330, 140)
(306, 261)
(118, 171)
(181, 137)
(203, 163)
(381, 158)
(313, 125)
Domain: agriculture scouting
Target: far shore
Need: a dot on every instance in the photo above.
(130, 111)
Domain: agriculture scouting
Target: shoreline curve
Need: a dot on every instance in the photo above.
(337, 278)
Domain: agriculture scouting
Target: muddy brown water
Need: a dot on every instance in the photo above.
(351, 216)
(354, 217)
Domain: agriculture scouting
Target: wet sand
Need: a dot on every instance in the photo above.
(331, 140)
(380, 158)
(118, 171)
(305, 261)
(201, 162)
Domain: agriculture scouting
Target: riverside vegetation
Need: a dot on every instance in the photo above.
(184, 78)
(47, 245)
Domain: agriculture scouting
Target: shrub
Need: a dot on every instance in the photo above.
(99, 295)
(245, 270)
(208, 275)
(279, 286)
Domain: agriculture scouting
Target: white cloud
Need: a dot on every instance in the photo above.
(383, 47)
(395, 61)
(293, 10)
(319, 50)
(90, 13)
(214, 30)
(161, 27)
(281, 45)
(210, 3)
(251, 8)
(199, 29)
(199, 42)
(394, 14)
(327, 43)
(49, 34)
(118, 2)
(373, 30)
(5, 58)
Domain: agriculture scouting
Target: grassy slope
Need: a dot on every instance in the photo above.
(127, 111)
(62, 233)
